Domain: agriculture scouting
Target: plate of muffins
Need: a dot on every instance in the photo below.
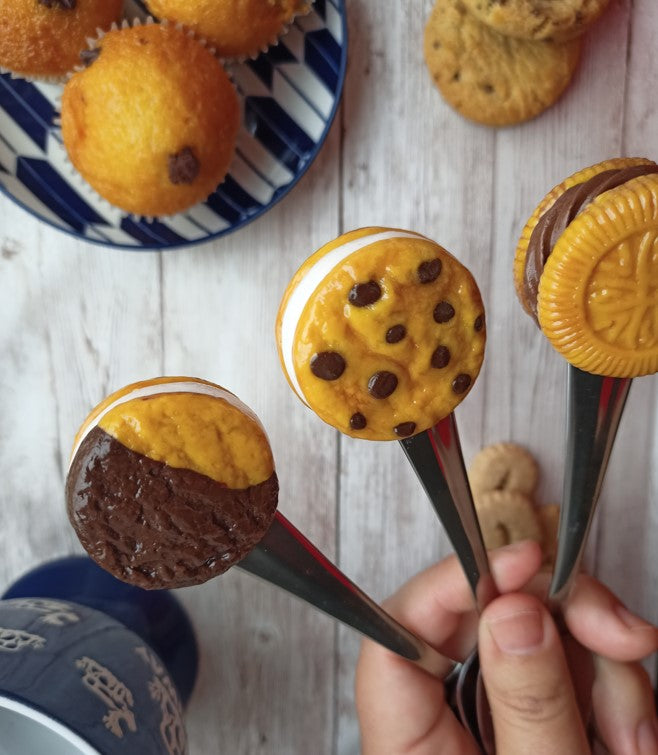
(166, 123)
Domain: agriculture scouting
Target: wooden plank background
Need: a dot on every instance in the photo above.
(77, 322)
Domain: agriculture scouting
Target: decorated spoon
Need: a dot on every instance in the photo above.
(172, 482)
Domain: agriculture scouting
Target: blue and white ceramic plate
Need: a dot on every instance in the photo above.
(289, 97)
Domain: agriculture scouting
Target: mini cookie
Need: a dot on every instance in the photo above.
(590, 274)
(171, 482)
(381, 332)
(524, 291)
(151, 122)
(503, 466)
(489, 78)
(507, 516)
(549, 518)
(538, 19)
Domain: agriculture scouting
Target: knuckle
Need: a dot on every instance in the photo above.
(532, 704)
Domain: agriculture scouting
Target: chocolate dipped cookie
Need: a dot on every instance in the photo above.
(171, 482)
(382, 333)
(586, 268)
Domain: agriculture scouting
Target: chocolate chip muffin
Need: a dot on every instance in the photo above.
(235, 28)
(171, 482)
(151, 122)
(43, 38)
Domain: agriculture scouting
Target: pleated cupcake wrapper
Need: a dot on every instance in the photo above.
(56, 80)
(237, 59)
(93, 43)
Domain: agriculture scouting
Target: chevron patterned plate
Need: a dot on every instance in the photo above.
(289, 97)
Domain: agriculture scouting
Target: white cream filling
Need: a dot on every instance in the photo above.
(307, 285)
(184, 386)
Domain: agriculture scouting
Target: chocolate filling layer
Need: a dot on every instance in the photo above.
(554, 221)
(156, 526)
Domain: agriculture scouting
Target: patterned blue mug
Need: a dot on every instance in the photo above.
(91, 665)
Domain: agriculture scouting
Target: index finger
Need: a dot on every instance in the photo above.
(438, 602)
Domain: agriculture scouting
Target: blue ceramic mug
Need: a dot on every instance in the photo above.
(89, 664)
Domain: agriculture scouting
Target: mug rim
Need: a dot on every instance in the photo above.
(50, 723)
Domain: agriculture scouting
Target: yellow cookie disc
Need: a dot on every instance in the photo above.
(381, 332)
(547, 202)
(598, 294)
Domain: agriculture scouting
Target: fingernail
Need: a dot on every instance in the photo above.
(630, 619)
(647, 737)
(518, 633)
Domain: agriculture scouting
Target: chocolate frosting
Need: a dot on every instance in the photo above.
(552, 224)
(157, 526)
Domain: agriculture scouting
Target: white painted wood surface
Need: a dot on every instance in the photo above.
(76, 322)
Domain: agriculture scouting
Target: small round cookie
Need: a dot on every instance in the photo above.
(549, 518)
(590, 270)
(598, 293)
(555, 20)
(151, 122)
(381, 332)
(503, 466)
(234, 28)
(507, 516)
(43, 38)
(580, 177)
(489, 78)
(171, 482)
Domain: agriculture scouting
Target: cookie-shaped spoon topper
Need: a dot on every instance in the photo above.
(382, 333)
(171, 482)
(586, 268)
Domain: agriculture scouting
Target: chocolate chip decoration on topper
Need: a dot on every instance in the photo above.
(171, 482)
(381, 332)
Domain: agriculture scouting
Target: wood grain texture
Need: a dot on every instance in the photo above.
(77, 322)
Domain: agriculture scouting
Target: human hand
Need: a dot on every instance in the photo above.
(402, 709)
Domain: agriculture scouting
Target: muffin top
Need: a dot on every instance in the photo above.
(235, 28)
(43, 38)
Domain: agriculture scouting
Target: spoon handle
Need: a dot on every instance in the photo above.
(437, 459)
(594, 407)
(287, 559)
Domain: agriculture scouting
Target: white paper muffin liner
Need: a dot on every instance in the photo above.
(274, 41)
(33, 79)
(303, 11)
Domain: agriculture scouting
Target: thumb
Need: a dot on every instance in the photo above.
(533, 704)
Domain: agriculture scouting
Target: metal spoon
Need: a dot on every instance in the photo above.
(287, 559)
(594, 407)
(437, 458)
